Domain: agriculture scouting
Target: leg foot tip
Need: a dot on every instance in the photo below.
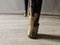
(32, 37)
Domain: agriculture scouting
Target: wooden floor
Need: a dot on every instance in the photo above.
(14, 28)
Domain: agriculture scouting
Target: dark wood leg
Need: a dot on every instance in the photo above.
(34, 14)
(26, 7)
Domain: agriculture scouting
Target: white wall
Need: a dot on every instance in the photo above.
(51, 7)
(11, 6)
(17, 6)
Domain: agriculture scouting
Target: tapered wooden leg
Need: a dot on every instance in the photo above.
(33, 21)
(32, 29)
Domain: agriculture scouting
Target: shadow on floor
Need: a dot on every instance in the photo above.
(47, 36)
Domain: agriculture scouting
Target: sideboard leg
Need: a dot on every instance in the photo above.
(34, 15)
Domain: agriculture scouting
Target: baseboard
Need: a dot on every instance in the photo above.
(49, 13)
(22, 12)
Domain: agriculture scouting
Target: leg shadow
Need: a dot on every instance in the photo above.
(47, 36)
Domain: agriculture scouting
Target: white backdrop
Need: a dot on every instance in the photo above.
(11, 6)
(51, 7)
(17, 6)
